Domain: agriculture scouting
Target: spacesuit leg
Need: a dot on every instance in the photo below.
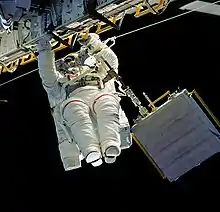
(77, 117)
(106, 107)
(69, 153)
(125, 134)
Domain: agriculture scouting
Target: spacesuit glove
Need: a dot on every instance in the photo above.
(44, 43)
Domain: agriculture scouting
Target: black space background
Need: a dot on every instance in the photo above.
(183, 52)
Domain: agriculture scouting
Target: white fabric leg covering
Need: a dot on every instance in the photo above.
(77, 117)
(106, 108)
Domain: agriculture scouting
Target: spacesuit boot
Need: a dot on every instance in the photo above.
(93, 157)
(97, 163)
(110, 159)
(110, 151)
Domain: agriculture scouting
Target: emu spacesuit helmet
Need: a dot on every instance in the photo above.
(92, 42)
(67, 64)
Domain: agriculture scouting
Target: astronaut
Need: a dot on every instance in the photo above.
(100, 102)
(86, 109)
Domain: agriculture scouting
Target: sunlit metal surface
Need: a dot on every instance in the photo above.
(69, 18)
(208, 9)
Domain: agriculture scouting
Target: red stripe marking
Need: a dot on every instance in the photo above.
(77, 101)
(98, 99)
(102, 96)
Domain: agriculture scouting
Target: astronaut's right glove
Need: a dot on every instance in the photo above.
(90, 62)
(44, 43)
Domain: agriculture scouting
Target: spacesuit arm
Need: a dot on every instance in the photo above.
(46, 65)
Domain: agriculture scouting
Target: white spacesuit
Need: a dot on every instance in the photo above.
(86, 110)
